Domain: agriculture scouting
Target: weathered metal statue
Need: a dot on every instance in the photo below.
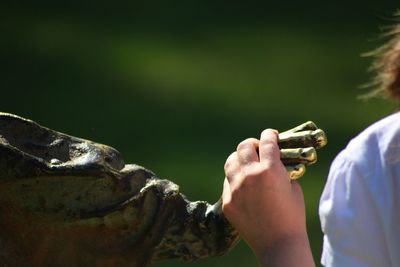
(66, 201)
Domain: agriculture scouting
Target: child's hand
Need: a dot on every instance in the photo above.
(262, 203)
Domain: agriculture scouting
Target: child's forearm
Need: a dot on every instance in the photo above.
(287, 252)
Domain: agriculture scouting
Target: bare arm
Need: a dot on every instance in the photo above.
(266, 208)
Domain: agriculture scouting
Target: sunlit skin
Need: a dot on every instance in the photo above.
(263, 204)
(259, 200)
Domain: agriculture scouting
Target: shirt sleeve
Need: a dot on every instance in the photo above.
(353, 232)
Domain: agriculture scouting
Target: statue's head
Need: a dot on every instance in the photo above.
(56, 173)
(63, 197)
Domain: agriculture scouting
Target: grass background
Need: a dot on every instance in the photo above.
(175, 86)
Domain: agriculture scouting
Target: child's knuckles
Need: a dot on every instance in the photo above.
(269, 144)
(231, 161)
(262, 170)
(253, 172)
(248, 143)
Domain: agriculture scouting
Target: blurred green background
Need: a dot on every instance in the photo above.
(176, 85)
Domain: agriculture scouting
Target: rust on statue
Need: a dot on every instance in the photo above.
(67, 201)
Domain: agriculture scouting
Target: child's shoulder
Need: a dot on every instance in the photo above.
(378, 137)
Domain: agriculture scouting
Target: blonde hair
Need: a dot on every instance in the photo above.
(386, 65)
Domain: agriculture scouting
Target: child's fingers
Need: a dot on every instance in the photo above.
(268, 146)
(247, 151)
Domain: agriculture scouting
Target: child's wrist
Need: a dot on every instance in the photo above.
(282, 249)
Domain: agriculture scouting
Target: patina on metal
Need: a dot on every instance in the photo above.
(298, 147)
(66, 201)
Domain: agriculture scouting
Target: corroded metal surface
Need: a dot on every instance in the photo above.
(66, 201)
(298, 147)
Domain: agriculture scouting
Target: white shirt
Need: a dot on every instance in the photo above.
(360, 205)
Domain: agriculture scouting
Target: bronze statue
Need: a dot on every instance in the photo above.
(66, 201)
